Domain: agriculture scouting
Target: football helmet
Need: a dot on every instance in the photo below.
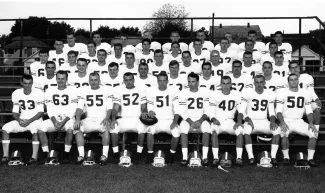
(125, 159)
(226, 160)
(264, 159)
(89, 158)
(159, 159)
(264, 138)
(16, 159)
(195, 159)
(52, 159)
(301, 161)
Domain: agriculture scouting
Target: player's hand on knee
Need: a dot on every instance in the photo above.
(284, 127)
(249, 121)
(273, 126)
(152, 114)
(215, 121)
(105, 122)
(77, 124)
(312, 128)
(237, 125)
(144, 115)
(113, 123)
(173, 126)
(319, 103)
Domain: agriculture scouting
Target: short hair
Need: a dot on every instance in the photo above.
(293, 62)
(82, 60)
(206, 64)
(186, 52)
(113, 64)
(201, 30)
(252, 32)
(44, 51)
(50, 62)
(58, 40)
(129, 53)
(237, 61)
(291, 75)
(91, 42)
(143, 64)
(224, 39)
(272, 43)
(225, 78)
(62, 72)
(259, 76)
(70, 33)
(157, 51)
(278, 32)
(26, 77)
(197, 40)
(248, 41)
(102, 50)
(175, 43)
(128, 74)
(94, 74)
(118, 45)
(278, 52)
(247, 53)
(173, 63)
(193, 75)
(96, 33)
(173, 32)
(124, 35)
(73, 52)
(146, 40)
(162, 73)
(267, 62)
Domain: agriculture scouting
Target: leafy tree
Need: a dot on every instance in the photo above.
(107, 33)
(130, 31)
(82, 32)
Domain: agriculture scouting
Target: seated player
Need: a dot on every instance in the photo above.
(206, 45)
(218, 69)
(238, 79)
(28, 109)
(258, 103)
(193, 106)
(226, 56)
(207, 80)
(175, 53)
(37, 68)
(44, 82)
(269, 56)
(223, 106)
(175, 78)
(101, 67)
(81, 78)
(159, 63)
(57, 55)
(188, 65)
(257, 46)
(153, 46)
(132, 101)
(144, 79)
(97, 100)
(101, 45)
(113, 78)
(280, 67)
(231, 46)
(162, 102)
(130, 65)
(273, 81)
(249, 47)
(174, 37)
(198, 54)
(291, 104)
(146, 55)
(248, 67)
(61, 103)
(71, 65)
(117, 55)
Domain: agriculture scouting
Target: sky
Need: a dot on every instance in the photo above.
(145, 9)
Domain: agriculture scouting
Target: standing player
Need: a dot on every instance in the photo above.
(238, 79)
(206, 45)
(231, 46)
(223, 106)
(130, 65)
(292, 102)
(159, 63)
(258, 103)
(153, 46)
(207, 80)
(37, 69)
(80, 48)
(91, 55)
(226, 55)
(101, 66)
(146, 55)
(281, 68)
(71, 65)
(144, 79)
(174, 54)
(189, 65)
(81, 78)
(284, 47)
(175, 78)
(101, 45)
(249, 47)
(126, 48)
(114, 78)
(248, 67)
(193, 107)
(28, 108)
(162, 102)
(44, 82)
(174, 37)
(61, 103)
(97, 101)
(269, 56)
(117, 57)
(257, 46)
(273, 81)
(199, 55)
(218, 69)
(133, 103)
(58, 55)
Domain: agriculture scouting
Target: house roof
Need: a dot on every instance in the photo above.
(306, 52)
(28, 41)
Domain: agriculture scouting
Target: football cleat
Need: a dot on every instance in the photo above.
(66, 158)
(89, 158)
(125, 159)
(274, 162)
(80, 160)
(195, 160)
(312, 163)
(205, 162)
(148, 121)
(52, 158)
(16, 159)
(264, 159)
(239, 162)
(286, 162)
(159, 159)
(301, 161)
(215, 163)
(184, 163)
(226, 160)
(31, 161)
(252, 161)
(103, 160)
(4, 161)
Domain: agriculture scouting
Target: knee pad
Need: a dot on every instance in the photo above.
(239, 131)
(215, 129)
(176, 132)
(151, 130)
(205, 127)
(247, 129)
(185, 127)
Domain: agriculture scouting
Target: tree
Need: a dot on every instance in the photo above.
(58, 30)
(82, 32)
(130, 31)
(107, 33)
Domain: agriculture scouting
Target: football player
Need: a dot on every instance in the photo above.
(291, 104)
(249, 47)
(273, 81)
(257, 46)
(37, 68)
(133, 103)
(226, 55)
(207, 80)
(248, 67)
(175, 53)
(130, 65)
(57, 55)
(145, 79)
(91, 55)
(98, 103)
(153, 46)
(199, 55)
(218, 69)
(162, 102)
(117, 57)
(146, 55)
(258, 103)
(44, 82)
(269, 56)
(189, 65)
(280, 67)
(159, 63)
(223, 105)
(28, 109)
(238, 79)
(80, 48)
(175, 78)
(101, 67)
(81, 78)
(71, 65)
(61, 103)
(193, 107)
(101, 45)
(126, 48)
(284, 47)
(113, 79)
(174, 37)
(231, 46)
(206, 45)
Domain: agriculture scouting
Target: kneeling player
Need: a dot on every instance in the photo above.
(193, 105)
(61, 103)
(161, 103)
(258, 102)
(98, 102)
(223, 106)
(29, 102)
(292, 102)
(133, 103)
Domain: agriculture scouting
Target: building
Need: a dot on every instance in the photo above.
(308, 58)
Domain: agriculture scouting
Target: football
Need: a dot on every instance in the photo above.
(149, 120)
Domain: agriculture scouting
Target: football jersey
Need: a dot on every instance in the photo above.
(37, 69)
(78, 47)
(124, 69)
(27, 105)
(281, 70)
(211, 83)
(170, 57)
(286, 48)
(221, 70)
(89, 58)
(258, 46)
(125, 50)
(130, 100)
(275, 83)
(253, 70)
(194, 67)
(292, 105)
(100, 69)
(75, 80)
(150, 81)
(59, 59)
(193, 104)
(155, 70)
(200, 59)
(256, 56)
(268, 57)
(163, 103)
(112, 58)
(153, 46)
(97, 102)
(244, 81)
(207, 45)
(61, 102)
(257, 106)
(105, 46)
(223, 106)
(306, 82)
(68, 68)
(108, 81)
(140, 58)
(180, 82)
(44, 83)
(232, 47)
(167, 47)
(227, 57)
